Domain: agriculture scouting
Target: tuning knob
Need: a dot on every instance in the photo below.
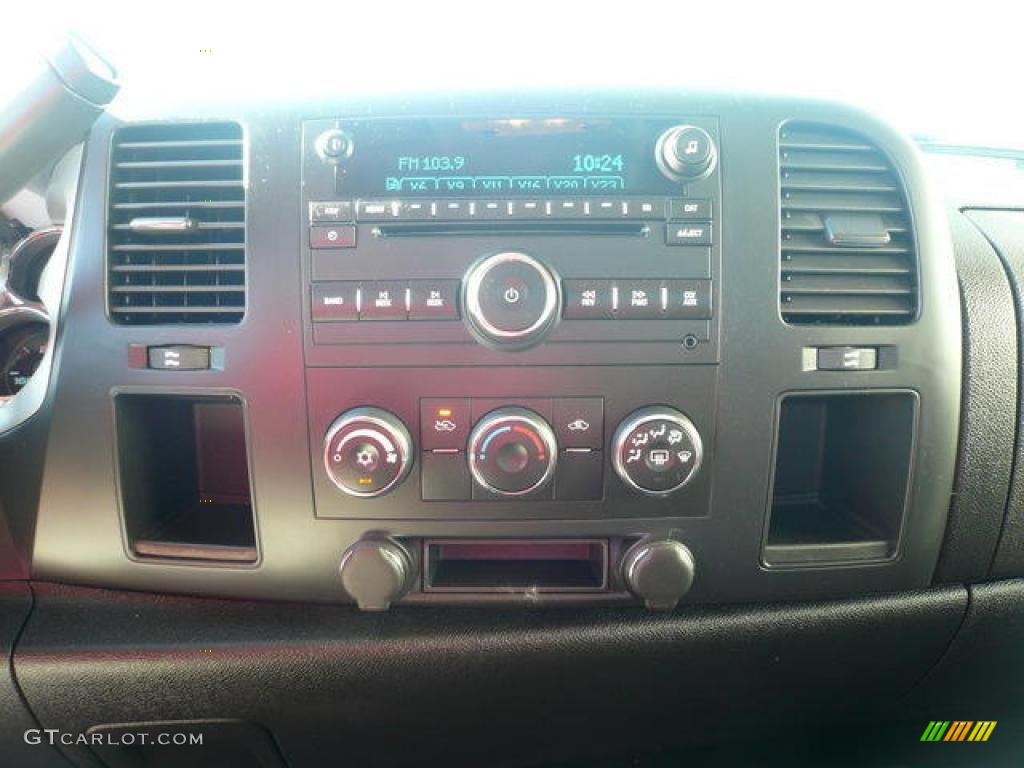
(377, 572)
(511, 300)
(659, 572)
(685, 153)
(512, 452)
(656, 450)
(367, 452)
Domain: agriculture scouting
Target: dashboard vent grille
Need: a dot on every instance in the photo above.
(848, 255)
(176, 239)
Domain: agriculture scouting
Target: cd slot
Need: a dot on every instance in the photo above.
(471, 228)
(515, 565)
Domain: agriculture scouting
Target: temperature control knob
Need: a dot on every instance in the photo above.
(512, 452)
(511, 300)
(685, 152)
(657, 450)
(367, 452)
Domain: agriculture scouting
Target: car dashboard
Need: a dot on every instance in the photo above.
(553, 414)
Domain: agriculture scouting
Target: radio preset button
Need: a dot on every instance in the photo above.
(415, 210)
(645, 209)
(433, 299)
(377, 210)
(527, 209)
(383, 301)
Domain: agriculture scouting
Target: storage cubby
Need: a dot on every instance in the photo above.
(184, 477)
(842, 468)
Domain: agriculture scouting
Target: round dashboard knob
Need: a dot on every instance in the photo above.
(657, 450)
(511, 300)
(685, 153)
(376, 572)
(659, 572)
(333, 146)
(512, 452)
(367, 452)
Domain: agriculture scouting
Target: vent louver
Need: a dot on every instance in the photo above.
(176, 238)
(848, 255)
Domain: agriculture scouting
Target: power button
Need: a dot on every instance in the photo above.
(511, 299)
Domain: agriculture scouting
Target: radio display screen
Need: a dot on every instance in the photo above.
(506, 157)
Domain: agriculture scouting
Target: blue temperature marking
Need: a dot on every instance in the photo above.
(494, 434)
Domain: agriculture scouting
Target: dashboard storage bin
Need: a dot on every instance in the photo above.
(842, 467)
(184, 477)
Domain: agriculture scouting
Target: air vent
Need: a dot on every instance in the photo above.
(176, 241)
(848, 255)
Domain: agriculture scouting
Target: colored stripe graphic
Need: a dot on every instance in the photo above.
(982, 730)
(958, 730)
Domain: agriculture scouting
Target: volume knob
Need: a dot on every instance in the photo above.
(511, 300)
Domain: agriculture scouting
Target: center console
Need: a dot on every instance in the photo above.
(480, 294)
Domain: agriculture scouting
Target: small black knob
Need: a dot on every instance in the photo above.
(659, 572)
(376, 573)
(333, 146)
(685, 153)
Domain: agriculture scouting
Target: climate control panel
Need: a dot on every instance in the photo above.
(593, 448)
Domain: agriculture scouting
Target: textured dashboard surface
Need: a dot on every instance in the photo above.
(15, 719)
(988, 408)
(472, 686)
(1005, 230)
